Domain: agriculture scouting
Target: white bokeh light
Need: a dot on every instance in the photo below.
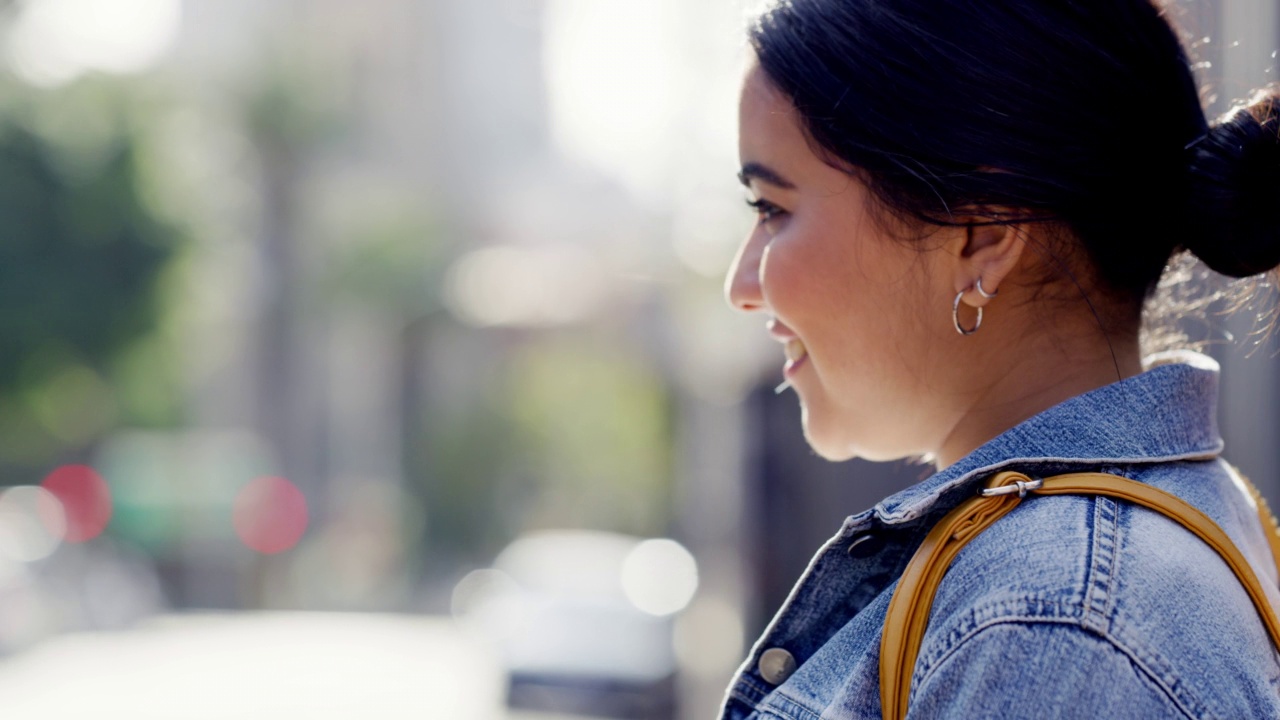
(660, 577)
(508, 286)
(55, 41)
(616, 85)
(32, 523)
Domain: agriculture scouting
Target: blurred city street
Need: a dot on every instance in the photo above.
(258, 666)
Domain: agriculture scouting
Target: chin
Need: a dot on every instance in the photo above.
(830, 443)
(826, 444)
(836, 454)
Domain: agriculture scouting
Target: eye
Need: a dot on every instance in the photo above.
(765, 210)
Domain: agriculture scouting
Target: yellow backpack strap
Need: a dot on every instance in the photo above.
(908, 614)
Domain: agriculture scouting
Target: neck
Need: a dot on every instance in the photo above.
(1016, 380)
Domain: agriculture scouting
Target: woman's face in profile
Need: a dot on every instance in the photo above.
(863, 316)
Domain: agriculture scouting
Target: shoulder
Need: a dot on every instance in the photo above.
(1089, 584)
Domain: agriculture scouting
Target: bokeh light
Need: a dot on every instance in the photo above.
(616, 84)
(659, 576)
(270, 515)
(31, 523)
(524, 287)
(54, 41)
(85, 498)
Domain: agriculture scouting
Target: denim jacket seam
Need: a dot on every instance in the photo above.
(1159, 670)
(1117, 538)
(748, 690)
(1101, 571)
(1028, 608)
(905, 511)
(989, 615)
(782, 705)
(924, 672)
(1197, 713)
(1160, 674)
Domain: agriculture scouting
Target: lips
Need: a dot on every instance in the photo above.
(792, 345)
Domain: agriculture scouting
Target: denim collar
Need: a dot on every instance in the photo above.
(1169, 412)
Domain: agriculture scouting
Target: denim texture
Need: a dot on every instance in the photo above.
(1068, 607)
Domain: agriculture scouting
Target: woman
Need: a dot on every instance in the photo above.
(962, 207)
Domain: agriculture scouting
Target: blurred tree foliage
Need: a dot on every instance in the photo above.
(82, 251)
(392, 262)
(567, 429)
(597, 425)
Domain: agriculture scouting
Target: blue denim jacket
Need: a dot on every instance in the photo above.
(1069, 607)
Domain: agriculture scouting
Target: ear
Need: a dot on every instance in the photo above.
(989, 252)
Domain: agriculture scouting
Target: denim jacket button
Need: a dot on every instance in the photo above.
(864, 547)
(776, 665)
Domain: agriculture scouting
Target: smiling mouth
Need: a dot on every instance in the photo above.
(796, 355)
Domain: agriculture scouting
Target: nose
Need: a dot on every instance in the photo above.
(742, 284)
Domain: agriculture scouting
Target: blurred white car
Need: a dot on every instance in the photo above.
(584, 621)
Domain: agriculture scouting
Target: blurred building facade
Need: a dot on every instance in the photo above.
(459, 314)
(442, 140)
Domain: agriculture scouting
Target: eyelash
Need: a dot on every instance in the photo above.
(765, 210)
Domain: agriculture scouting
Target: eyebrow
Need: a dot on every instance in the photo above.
(756, 171)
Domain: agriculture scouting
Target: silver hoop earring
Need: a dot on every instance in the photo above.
(955, 317)
(984, 293)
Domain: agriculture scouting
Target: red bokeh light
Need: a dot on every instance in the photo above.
(270, 515)
(85, 498)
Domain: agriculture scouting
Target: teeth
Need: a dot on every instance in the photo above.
(794, 350)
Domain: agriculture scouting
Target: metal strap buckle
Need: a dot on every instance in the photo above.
(1019, 486)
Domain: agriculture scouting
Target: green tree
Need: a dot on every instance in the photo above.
(81, 254)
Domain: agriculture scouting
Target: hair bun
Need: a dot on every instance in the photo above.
(1235, 190)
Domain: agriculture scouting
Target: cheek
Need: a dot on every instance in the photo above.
(814, 268)
(888, 318)
(856, 293)
(878, 288)
(791, 279)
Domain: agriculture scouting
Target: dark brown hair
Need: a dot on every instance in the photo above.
(1085, 113)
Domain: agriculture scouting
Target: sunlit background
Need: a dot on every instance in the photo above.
(369, 359)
